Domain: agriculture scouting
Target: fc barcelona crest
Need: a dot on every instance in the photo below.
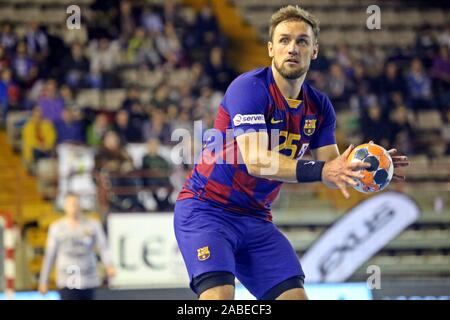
(203, 253)
(310, 126)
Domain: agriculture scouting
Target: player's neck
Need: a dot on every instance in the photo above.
(73, 220)
(289, 88)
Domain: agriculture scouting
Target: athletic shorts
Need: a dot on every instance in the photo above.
(212, 239)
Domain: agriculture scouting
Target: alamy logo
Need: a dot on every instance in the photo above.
(73, 21)
(248, 119)
(374, 19)
(374, 280)
(73, 280)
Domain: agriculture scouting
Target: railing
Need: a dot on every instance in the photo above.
(106, 189)
(428, 183)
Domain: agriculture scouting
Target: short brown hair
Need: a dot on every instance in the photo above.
(294, 13)
(71, 194)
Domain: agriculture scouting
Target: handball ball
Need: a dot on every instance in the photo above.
(379, 174)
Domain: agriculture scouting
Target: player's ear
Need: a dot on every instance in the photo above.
(315, 51)
(270, 48)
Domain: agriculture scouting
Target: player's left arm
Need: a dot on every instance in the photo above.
(326, 153)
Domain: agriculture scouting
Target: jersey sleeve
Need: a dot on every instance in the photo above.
(326, 131)
(246, 101)
(51, 250)
(102, 244)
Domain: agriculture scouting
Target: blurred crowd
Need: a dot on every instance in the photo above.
(385, 89)
(43, 74)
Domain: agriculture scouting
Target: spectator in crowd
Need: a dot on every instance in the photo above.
(318, 80)
(321, 64)
(425, 43)
(138, 116)
(419, 86)
(372, 59)
(115, 165)
(75, 67)
(127, 19)
(105, 57)
(125, 128)
(97, 130)
(359, 76)
(188, 104)
(69, 129)
(199, 77)
(133, 96)
(391, 81)
(24, 67)
(161, 100)
(38, 138)
(401, 130)
(441, 74)
(7, 38)
(51, 102)
(104, 20)
(71, 243)
(363, 99)
(208, 102)
(37, 42)
(337, 86)
(135, 44)
(157, 127)
(152, 21)
(169, 46)
(374, 127)
(158, 173)
(4, 59)
(206, 26)
(343, 57)
(5, 81)
(171, 13)
(183, 121)
(9, 94)
(218, 70)
(444, 36)
(67, 95)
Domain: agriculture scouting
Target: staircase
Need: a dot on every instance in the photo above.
(19, 196)
(18, 190)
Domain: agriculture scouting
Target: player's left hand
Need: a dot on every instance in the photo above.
(111, 272)
(398, 161)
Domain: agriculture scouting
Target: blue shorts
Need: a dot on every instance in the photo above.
(212, 239)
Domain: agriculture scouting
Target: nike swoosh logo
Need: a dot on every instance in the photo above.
(273, 121)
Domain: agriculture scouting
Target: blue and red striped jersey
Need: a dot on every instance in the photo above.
(254, 102)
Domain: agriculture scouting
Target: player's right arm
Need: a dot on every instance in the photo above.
(263, 163)
(246, 100)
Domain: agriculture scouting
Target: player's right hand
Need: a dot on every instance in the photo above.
(339, 173)
(43, 288)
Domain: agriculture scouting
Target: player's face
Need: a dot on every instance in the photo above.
(72, 206)
(292, 48)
